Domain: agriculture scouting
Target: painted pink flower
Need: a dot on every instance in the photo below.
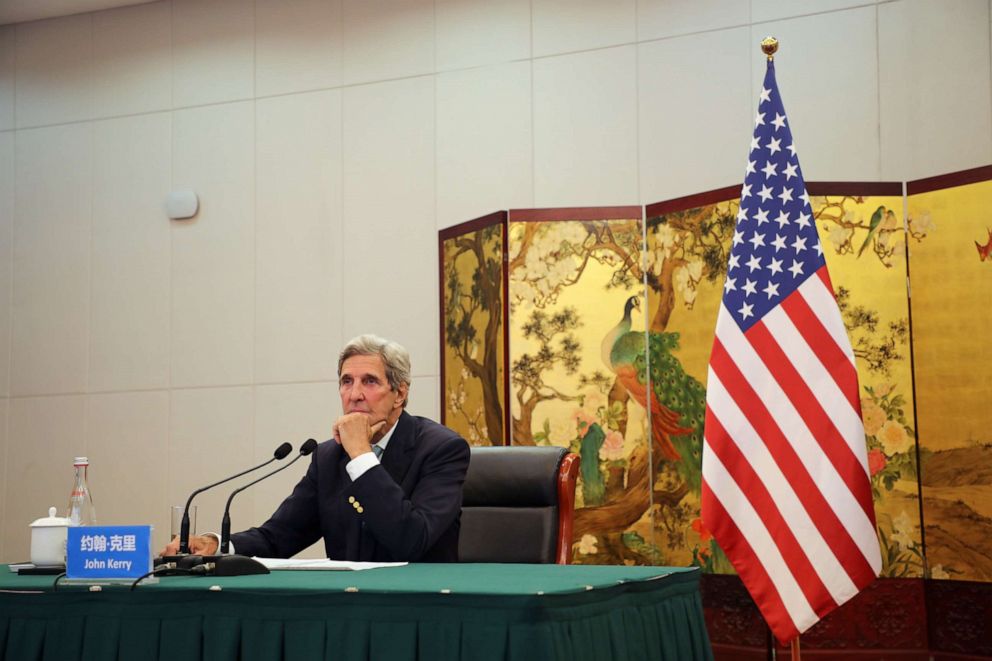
(583, 420)
(612, 449)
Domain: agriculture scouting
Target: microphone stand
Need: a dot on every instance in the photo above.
(280, 453)
(240, 565)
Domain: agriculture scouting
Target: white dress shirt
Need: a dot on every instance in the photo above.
(357, 466)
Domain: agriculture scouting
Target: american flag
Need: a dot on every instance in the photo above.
(786, 491)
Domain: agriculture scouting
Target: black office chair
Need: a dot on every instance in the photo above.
(518, 504)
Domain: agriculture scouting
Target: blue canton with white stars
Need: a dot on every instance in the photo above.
(775, 246)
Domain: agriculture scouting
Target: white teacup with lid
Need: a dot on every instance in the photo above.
(48, 537)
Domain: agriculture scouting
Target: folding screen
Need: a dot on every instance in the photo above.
(575, 284)
(598, 327)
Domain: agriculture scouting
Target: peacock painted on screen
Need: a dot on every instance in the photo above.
(678, 401)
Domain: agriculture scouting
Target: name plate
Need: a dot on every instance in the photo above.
(102, 552)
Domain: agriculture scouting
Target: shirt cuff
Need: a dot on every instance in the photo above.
(230, 544)
(357, 466)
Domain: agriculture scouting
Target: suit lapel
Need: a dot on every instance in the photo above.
(396, 458)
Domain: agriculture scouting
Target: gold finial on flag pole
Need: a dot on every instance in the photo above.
(768, 46)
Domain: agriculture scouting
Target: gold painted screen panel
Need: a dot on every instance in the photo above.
(473, 333)
(951, 279)
(575, 285)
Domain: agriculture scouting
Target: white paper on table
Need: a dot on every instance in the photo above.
(323, 564)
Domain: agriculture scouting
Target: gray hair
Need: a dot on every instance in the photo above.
(394, 356)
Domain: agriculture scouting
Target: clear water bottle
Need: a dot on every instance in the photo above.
(81, 510)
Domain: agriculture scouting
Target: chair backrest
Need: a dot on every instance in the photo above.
(518, 504)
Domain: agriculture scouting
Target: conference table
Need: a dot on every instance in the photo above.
(418, 611)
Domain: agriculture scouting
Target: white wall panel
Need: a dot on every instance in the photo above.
(390, 263)
(384, 39)
(935, 103)
(289, 413)
(5, 476)
(211, 437)
(664, 18)
(7, 50)
(51, 260)
(298, 45)
(213, 255)
(484, 143)
(830, 93)
(127, 442)
(54, 71)
(213, 50)
(132, 60)
(585, 128)
(131, 260)
(424, 397)
(771, 10)
(564, 26)
(473, 33)
(298, 288)
(6, 254)
(44, 435)
(695, 114)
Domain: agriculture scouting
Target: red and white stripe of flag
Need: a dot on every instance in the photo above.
(786, 489)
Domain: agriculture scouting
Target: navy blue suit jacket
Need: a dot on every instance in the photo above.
(409, 505)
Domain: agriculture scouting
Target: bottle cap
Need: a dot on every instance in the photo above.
(80, 461)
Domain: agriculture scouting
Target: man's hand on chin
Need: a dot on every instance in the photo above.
(354, 431)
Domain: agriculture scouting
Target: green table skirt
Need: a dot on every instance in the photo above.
(478, 612)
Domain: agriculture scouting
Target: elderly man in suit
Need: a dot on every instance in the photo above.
(387, 489)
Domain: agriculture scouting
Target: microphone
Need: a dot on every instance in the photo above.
(225, 527)
(280, 453)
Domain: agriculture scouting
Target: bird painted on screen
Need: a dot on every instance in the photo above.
(873, 224)
(984, 251)
(678, 401)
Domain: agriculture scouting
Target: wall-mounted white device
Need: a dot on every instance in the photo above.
(181, 204)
